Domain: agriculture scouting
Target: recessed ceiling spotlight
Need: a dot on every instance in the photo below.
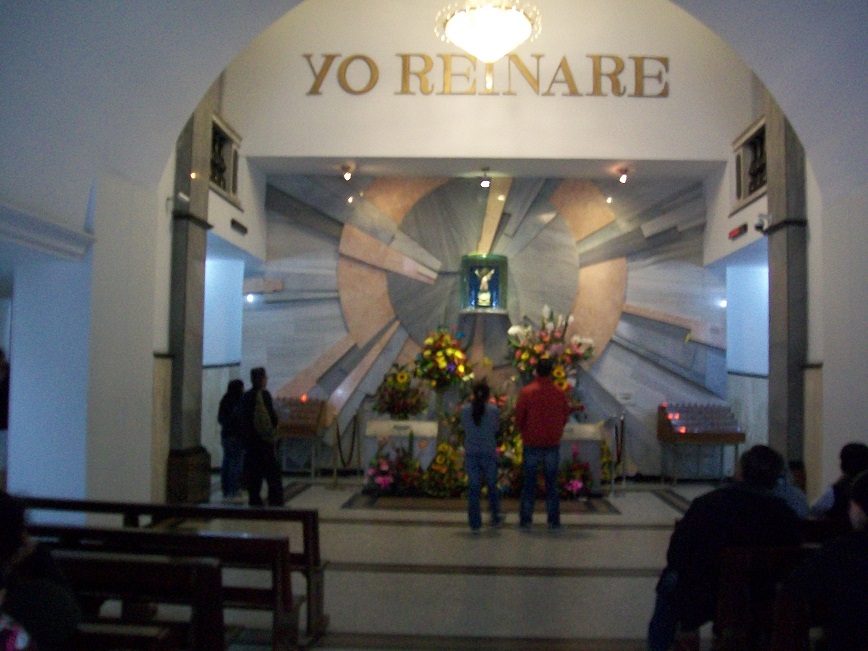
(350, 199)
(608, 199)
(486, 180)
(347, 171)
(623, 172)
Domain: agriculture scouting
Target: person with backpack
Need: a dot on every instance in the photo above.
(259, 423)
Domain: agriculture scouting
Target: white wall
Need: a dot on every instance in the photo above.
(120, 450)
(221, 340)
(47, 444)
(747, 320)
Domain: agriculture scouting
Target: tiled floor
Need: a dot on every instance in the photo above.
(403, 579)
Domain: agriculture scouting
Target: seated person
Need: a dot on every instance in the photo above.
(791, 494)
(834, 504)
(834, 580)
(744, 513)
(36, 594)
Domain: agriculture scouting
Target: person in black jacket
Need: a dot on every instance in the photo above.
(259, 421)
(745, 513)
(229, 417)
(33, 591)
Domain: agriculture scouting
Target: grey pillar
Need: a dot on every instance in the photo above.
(788, 280)
(189, 464)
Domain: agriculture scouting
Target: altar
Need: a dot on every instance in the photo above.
(589, 438)
(396, 433)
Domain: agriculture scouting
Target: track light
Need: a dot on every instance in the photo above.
(347, 171)
(486, 180)
(623, 177)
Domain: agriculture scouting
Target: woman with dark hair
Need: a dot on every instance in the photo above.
(481, 422)
(229, 417)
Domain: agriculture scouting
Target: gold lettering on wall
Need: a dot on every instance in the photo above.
(641, 76)
(563, 75)
(467, 74)
(373, 74)
(607, 75)
(613, 75)
(319, 77)
(422, 75)
(518, 64)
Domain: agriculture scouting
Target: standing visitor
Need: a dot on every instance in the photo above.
(481, 422)
(260, 423)
(541, 411)
(229, 417)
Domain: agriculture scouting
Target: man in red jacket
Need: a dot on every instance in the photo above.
(541, 412)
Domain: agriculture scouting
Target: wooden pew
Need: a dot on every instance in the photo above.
(268, 553)
(307, 562)
(194, 582)
(746, 594)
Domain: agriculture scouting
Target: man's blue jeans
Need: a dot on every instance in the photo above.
(481, 468)
(550, 458)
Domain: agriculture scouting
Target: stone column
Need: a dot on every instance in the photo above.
(788, 280)
(189, 469)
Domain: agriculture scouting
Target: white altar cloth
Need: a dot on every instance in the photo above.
(397, 433)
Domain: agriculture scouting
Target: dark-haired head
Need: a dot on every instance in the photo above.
(544, 367)
(258, 377)
(235, 387)
(481, 393)
(761, 467)
(854, 459)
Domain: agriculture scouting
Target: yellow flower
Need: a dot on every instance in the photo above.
(402, 378)
(559, 372)
(461, 369)
(561, 384)
(524, 355)
(429, 341)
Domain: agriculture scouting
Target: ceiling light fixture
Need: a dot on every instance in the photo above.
(486, 180)
(623, 177)
(488, 29)
(347, 171)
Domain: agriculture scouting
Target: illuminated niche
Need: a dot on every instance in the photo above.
(483, 283)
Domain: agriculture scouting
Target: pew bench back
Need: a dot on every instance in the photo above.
(268, 553)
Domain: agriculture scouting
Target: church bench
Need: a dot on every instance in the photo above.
(113, 635)
(746, 594)
(267, 553)
(307, 562)
(193, 582)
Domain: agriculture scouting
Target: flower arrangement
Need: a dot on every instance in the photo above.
(399, 474)
(398, 395)
(445, 476)
(574, 476)
(442, 362)
(528, 345)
